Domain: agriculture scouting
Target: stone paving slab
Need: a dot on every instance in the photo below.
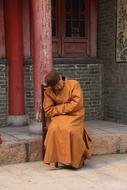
(21, 146)
(100, 173)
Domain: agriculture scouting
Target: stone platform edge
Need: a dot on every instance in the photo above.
(19, 151)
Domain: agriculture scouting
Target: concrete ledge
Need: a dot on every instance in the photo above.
(12, 152)
(109, 144)
(19, 145)
(108, 137)
(17, 120)
(35, 149)
(35, 128)
(20, 151)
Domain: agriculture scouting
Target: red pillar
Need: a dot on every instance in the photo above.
(14, 45)
(42, 46)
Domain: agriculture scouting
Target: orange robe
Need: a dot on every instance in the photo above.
(67, 140)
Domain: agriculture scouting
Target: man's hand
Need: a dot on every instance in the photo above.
(66, 101)
(38, 116)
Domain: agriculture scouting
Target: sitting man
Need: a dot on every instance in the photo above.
(67, 140)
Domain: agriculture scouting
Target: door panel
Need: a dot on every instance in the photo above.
(70, 28)
(75, 49)
(56, 33)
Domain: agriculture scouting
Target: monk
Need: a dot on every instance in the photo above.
(67, 140)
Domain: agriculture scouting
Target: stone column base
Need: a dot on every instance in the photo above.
(35, 128)
(17, 120)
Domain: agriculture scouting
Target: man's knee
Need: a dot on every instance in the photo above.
(53, 128)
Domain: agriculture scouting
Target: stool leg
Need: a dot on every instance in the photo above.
(56, 164)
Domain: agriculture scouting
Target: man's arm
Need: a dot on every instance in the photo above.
(75, 103)
(49, 106)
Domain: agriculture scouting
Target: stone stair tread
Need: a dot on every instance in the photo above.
(21, 146)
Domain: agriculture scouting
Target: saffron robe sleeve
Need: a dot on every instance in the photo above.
(65, 108)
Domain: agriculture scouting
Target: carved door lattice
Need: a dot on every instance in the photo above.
(70, 27)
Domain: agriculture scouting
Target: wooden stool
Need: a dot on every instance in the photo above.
(45, 129)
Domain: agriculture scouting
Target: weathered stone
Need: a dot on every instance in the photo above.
(35, 149)
(109, 144)
(21, 146)
(35, 128)
(123, 143)
(12, 152)
(102, 144)
(17, 120)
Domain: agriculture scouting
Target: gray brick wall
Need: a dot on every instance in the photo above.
(104, 85)
(3, 95)
(28, 85)
(115, 74)
(89, 76)
(29, 92)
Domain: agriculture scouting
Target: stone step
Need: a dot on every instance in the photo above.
(108, 137)
(21, 146)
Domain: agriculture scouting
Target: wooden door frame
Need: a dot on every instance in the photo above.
(57, 39)
(92, 29)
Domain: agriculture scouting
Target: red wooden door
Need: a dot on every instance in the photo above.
(56, 34)
(70, 20)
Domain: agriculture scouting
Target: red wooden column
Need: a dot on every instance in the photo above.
(42, 46)
(14, 46)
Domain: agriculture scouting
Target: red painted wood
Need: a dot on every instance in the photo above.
(66, 46)
(42, 46)
(14, 45)
(56, 41)
(93, 28)
(26, 27)
(2, 32)
(63, 45)
(31, 29)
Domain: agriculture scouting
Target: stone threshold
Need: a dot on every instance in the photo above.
(20, 146)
